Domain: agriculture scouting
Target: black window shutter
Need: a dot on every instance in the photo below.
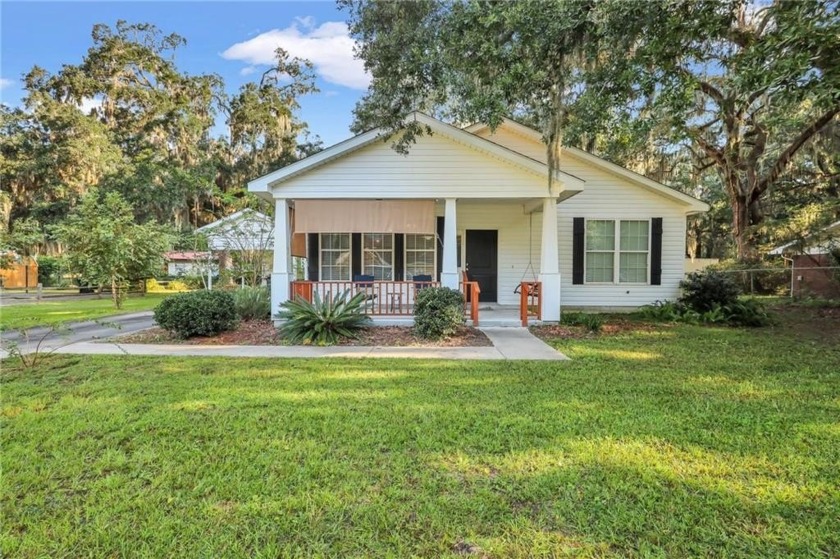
(399, 261)
(578, 232)
(656, 251)
(356, 255)
(439, 244)
(312, 257)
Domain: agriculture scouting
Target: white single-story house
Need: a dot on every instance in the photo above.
(814, 267)
(471, 205)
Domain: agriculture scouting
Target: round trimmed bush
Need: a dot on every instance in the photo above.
(197, 313)
(438, 312)
(707, 290)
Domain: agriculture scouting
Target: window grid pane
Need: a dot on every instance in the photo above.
(600, 235)
(378, 255)
(600, 266)
(335, 256)
(633, 267)
(634, 235)
(419, 256)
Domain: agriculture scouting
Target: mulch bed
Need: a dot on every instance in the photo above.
(262, 332)
(613, 326)
(404, 336)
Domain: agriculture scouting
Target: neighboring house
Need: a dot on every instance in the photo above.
(475, 203)
(814, 262)
(188, 263)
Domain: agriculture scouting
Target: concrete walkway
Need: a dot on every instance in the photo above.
(508, 343)
(520, 343)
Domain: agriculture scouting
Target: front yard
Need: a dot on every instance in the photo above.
(673, 441)
(52, 313)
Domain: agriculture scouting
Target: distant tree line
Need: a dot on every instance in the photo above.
(127, 125)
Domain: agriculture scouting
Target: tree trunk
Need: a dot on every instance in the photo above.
(745, 249)
(115, 294)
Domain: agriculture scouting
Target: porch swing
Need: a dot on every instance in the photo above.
(529, 291)
(534, 283)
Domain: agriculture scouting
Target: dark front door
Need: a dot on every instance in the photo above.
(482, 259)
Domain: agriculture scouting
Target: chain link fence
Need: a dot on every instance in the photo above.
(794, 282)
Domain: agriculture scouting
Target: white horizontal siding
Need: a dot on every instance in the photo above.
(608, 196)
(435, 167)
(512, 224)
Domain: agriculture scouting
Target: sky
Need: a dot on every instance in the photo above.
(233, 39)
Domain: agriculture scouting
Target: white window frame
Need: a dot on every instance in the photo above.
(406, 250)
(321, 251)
(365, 250)
(617, 252)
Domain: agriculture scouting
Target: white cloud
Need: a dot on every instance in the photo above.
(328, 46)
(4, 83)
(247, 70)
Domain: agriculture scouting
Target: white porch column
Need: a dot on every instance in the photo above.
(549, 263)
(280, 276)
(449, 269)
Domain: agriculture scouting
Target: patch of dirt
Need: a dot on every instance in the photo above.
(262, 332)
(819, 323)
(611, 327)
(249, 332)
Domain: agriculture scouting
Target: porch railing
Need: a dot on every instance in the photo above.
(530, 301)
(471, 292)
(382, 298)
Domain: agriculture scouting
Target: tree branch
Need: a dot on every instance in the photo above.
(787, 155)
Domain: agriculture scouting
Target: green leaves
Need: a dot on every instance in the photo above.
(323, 321)
(106, 247)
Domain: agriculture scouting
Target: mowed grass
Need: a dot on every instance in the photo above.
(50, 313)
(678, 442)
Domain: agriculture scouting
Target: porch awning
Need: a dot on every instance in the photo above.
(364, 216)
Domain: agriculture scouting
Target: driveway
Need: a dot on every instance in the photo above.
(75, 332)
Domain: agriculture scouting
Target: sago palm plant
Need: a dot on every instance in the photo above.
(322, 321)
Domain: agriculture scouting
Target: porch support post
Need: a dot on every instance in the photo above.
(549, 263)
(280, 276)
(449, 271)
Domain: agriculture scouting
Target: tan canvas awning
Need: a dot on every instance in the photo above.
(364, 216)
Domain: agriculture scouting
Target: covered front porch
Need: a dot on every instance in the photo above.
(502, 254)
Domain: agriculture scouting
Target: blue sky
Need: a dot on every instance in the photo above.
(233, 39)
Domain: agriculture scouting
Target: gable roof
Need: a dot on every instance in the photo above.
(342, 149)
(807, 242)
(237, 217)
(695, 205)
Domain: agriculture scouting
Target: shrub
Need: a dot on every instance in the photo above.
(756, 277)
(438, 312)
(49, 270)
(177, 285)
(702, 291)
(747, 312)
(323, 321)
(252, 303)
(197, 313)
(592, 322)
(662, 311)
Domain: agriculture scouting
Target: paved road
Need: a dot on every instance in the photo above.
(75, 332)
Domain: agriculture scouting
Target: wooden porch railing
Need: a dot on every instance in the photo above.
(530, 301)
(382, 298)
(471, 292)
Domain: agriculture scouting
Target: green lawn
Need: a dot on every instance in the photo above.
(48, 313)
(682, 441)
